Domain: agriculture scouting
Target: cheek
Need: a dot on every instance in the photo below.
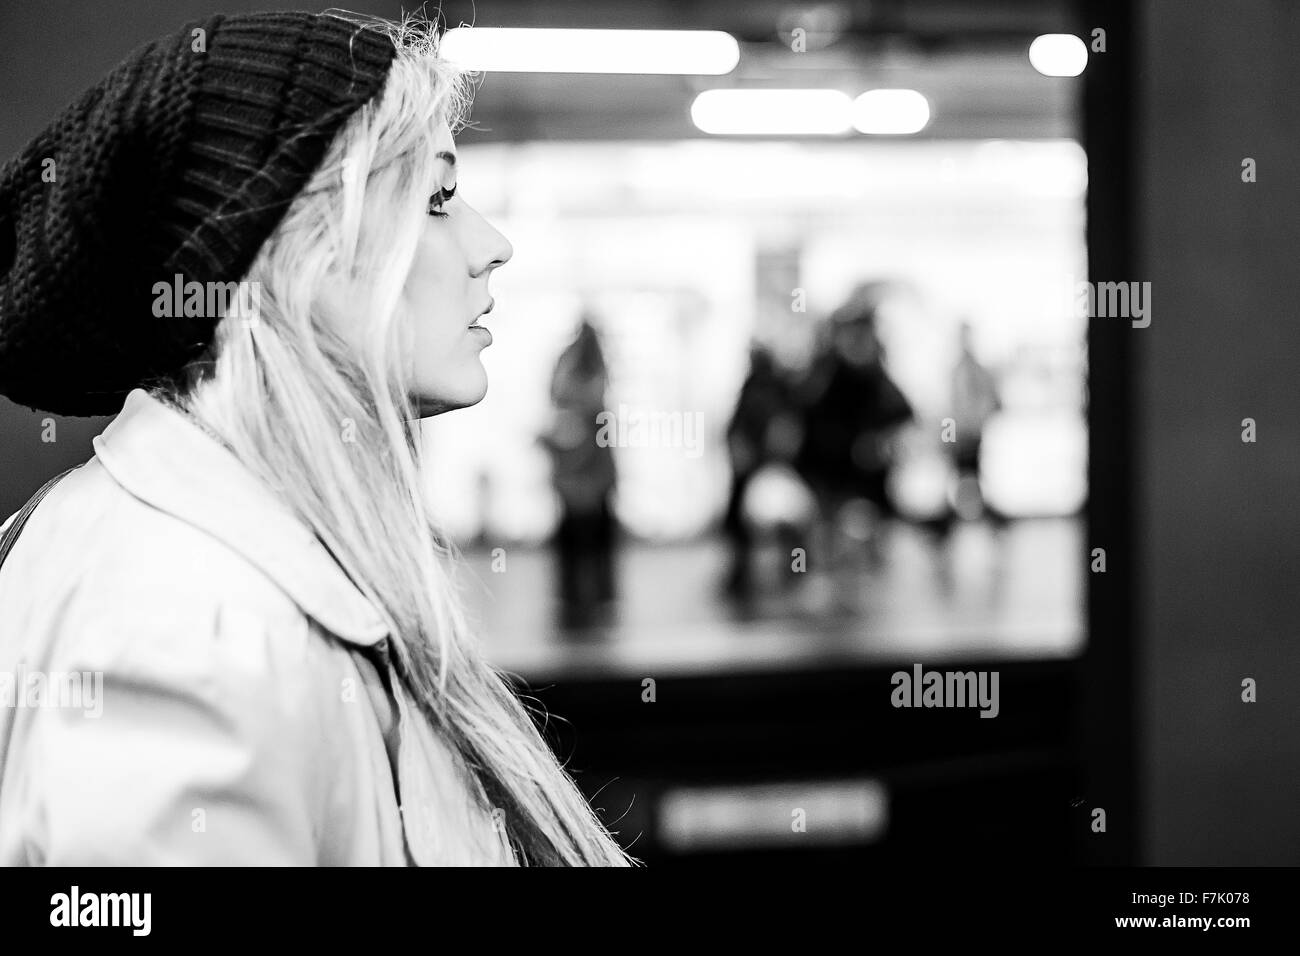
(438, 284)
(425, 281)
(442, 356)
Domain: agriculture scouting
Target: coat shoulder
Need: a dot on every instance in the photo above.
(118, 567)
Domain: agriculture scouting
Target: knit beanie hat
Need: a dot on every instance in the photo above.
(173, 168)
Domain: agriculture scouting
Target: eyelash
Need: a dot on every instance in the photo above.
(441, 196)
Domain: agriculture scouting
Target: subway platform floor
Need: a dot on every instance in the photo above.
(1010, 593)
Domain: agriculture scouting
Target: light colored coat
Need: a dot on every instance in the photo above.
(243, 718)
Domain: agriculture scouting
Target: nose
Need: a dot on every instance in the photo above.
(492, 249)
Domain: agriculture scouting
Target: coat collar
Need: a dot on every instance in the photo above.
(169, 462)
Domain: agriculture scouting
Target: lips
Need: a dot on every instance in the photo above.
(491, 304)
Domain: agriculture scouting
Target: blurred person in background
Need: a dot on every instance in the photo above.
(974, 402)
(584, 478)
(764, 413)
(852, 413)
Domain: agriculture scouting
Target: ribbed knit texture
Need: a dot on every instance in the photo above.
(177, 161)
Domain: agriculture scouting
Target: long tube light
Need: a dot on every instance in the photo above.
(522, 50)
(773, 112)
(809, 112)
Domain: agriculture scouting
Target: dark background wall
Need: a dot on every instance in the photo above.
(1219, 531)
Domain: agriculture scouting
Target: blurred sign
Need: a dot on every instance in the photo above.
(803, 813)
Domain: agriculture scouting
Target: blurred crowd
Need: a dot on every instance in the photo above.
(834, 429)
(827, 433)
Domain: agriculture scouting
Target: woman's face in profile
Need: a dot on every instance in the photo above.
(446, 292)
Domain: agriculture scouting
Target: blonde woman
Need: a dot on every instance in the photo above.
(234, 636)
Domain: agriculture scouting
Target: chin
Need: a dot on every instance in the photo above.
(436, 401)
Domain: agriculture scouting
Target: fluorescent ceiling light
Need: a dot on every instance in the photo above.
(1058, 54)
(516, 50)
(772, 112)
(891, 112)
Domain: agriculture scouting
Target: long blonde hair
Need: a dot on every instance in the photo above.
(332, 430)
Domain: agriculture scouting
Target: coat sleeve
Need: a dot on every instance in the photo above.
(206, 749)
